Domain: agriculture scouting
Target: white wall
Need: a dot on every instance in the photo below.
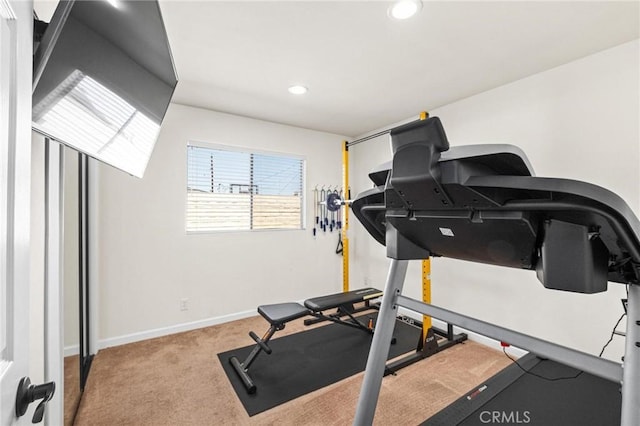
(578, 121)
(148, 263)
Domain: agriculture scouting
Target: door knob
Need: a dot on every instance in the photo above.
(28, 393)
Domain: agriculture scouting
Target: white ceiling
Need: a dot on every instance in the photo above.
(365, 71)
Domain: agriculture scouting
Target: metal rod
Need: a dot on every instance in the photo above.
(366, 138)
(423, 116)
(257, 349)
(600, 367)
(380, 345)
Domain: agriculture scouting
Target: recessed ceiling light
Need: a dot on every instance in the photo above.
(404, 9)
(298, 90)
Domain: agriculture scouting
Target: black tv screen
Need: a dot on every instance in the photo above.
(103, 79)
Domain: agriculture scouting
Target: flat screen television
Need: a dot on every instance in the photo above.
(103, 79)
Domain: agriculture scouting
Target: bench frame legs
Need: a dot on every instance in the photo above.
(242, 368)
(336, 318)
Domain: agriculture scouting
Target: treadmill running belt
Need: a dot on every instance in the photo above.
(526, 399)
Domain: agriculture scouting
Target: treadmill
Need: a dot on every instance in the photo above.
(483, 203)
(547, 394)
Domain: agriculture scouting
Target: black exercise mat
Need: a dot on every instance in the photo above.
(303, 362)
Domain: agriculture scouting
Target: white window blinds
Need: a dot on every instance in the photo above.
(230, 190)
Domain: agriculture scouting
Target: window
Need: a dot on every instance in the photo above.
(231, 190)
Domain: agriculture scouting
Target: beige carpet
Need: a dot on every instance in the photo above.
(71, 388)
(177, 380)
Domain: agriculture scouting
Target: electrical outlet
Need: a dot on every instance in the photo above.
(184, 304)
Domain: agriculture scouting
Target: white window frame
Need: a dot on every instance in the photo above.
(247, 150)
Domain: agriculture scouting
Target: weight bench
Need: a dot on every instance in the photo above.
(277, 315)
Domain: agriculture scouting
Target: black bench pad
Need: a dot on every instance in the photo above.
(281, 313)
(322, 303)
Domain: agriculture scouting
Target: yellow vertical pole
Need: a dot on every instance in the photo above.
(426, 275)
(426, 294)
(345, 219)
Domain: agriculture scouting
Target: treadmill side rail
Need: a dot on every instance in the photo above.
(592, 364)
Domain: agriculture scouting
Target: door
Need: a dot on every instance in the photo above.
(15, 181)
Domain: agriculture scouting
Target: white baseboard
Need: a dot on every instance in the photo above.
(71, 350)
(179, 328)
(172, 329)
